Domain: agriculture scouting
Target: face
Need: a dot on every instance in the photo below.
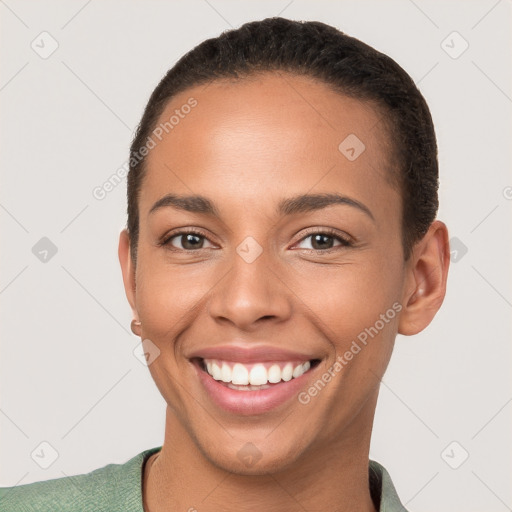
(294, 254)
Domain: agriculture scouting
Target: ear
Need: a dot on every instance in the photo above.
(425, 283)
(128, 270)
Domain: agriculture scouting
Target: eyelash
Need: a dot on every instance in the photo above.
(344, 241)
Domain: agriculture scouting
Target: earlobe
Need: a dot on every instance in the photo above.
(128, 270)
(136, 327)
(425, 286)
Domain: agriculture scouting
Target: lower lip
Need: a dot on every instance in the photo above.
(251, 402)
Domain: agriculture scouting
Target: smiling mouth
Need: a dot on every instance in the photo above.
(255, 376)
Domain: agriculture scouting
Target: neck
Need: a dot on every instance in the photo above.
(329, 477)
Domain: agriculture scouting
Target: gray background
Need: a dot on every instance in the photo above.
(69, 376)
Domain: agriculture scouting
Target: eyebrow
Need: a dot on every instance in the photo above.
(293, 205)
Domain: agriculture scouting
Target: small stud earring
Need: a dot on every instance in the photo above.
(135, 325)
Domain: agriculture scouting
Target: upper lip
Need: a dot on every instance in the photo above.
(244, 354)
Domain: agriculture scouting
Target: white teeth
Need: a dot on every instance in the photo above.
(255, 377)
(258, 375)
(297, 371)
(240, 375)
(248, 388)
(287, 372)
(274, 374)
(226, 372)
(216, 372)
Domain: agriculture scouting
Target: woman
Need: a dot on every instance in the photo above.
(281, 232)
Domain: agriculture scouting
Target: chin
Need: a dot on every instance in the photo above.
(249, 460)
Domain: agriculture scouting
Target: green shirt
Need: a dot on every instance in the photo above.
(118, 488)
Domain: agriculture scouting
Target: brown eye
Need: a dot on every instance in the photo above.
(186, 241)
(323, 241)
(191, 241)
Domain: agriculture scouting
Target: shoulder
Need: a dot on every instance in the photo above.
(115, 487)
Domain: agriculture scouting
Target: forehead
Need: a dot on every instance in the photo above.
(263, 133)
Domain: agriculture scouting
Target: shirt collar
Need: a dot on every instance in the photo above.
(382, 490)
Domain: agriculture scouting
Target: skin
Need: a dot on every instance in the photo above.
(247, 145)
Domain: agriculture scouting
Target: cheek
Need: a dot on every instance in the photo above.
(345, 306)
(168, 296)
(167, 300)
(355, 301)
(356, 309)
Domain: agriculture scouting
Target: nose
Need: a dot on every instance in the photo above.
(249, 294)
